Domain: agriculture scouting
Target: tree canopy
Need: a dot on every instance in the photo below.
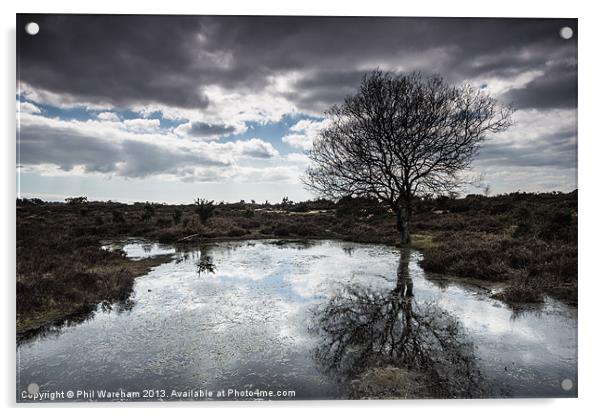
(400, 136)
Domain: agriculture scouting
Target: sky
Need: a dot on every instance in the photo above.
(170, 108)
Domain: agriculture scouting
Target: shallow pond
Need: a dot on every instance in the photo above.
(307, 317)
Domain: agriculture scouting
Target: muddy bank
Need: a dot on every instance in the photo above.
(69, 296)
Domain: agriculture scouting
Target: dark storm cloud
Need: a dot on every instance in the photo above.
(325, 88)
(555, 150)
(557, 88)
(40, 145)
(66, 148)
(200, 129)
(117, 59)
(171, 59)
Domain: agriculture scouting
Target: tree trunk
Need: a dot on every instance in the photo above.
(405, 284)
(402, 224)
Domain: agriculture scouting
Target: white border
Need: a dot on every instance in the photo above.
(590, 204)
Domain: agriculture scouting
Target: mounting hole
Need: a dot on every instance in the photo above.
(32, 28)
(33, 388)
(566, 33)
(567, 384)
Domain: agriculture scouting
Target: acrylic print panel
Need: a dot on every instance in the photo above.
(290, 208)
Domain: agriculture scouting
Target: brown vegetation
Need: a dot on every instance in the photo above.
(526, 240)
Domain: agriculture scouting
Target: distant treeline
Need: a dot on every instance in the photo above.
(492, 204)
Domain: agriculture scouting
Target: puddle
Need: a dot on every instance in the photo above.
(254, 315)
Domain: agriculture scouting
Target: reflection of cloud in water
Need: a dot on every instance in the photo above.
(137, 249)
(363, 329)
(319, 275)
(249, 321)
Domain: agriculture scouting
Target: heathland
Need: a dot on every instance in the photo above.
(526, 242)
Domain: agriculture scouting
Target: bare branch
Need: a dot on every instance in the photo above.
(402, 136)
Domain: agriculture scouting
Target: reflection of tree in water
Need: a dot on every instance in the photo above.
(201, 258)
(364, 329)
(349, 250)
(205, 265)
(57, 327)
(298, 244)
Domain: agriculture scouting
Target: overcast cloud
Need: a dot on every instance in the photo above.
(199, 98)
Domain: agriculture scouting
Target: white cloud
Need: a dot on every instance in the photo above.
(289, 174)
(297, 158)
(57, 147)
(57, 100)
(304, 133)
(245, 174)
(28, 108)
(254, 148)
(539, 153)
(107, 116)
(142, 125)
(299, 141)
(542, 129)
(498, 85)
(229, 107)
(504, 179)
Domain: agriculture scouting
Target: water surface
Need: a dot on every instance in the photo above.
(259, 315)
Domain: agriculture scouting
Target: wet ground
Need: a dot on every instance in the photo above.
(256, 316)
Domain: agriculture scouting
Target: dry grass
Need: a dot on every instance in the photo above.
(527, 240)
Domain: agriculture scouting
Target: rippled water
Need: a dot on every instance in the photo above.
(243, 315)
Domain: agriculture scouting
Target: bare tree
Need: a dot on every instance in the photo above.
(204, 209)
(402, 136)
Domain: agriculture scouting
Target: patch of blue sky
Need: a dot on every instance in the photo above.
(82, 113)
(71, 113)
(272, 132)
(165, 123)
